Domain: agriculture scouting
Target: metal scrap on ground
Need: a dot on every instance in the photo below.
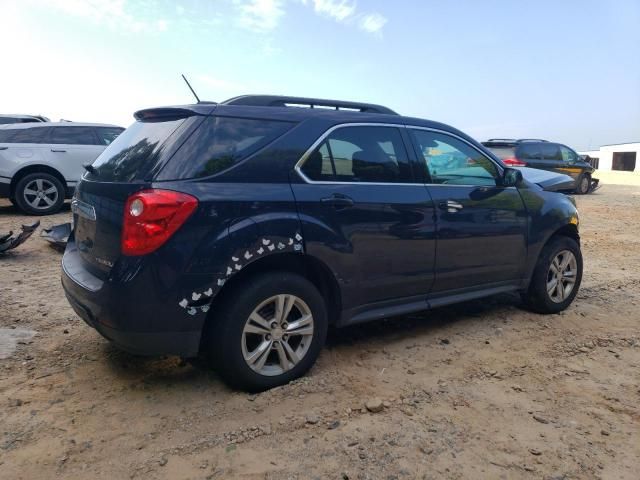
(58, 235)
(10, 241)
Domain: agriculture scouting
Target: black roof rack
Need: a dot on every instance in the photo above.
(283, 101)
(502, 140)
(531, 140)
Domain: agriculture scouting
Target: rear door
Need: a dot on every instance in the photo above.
(71, 147)
(531, 154)
(365, 215)
(20, 147)
(481, 226)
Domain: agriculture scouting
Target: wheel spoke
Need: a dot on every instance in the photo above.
(50, 190)
(48, 201)
(291, 353)
(282, 357)
(257, 358)
(39, 183)
(280, 301)
(302, 326)
(288, 305)
(551, 286)
(257, 329)
(259, 320)
(28, 191)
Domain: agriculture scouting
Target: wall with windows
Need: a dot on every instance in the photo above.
(620, 157)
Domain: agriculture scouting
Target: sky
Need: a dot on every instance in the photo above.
(563, 70)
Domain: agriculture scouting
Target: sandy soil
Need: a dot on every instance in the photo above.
(480, 390)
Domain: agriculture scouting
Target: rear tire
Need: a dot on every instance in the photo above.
(39, 193)
(255, 348)
(584, 184)
(556, 278)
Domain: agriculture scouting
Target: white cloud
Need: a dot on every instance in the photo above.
(339, 10)
(372, 22)
(260, 15)
(115, 14)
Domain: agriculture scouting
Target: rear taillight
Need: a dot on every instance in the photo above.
(513, 162)
(151, 217)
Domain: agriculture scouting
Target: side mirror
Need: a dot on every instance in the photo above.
(511, 177)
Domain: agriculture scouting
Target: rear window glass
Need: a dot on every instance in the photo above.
(219, 143)
(138, 150)
(23, 135)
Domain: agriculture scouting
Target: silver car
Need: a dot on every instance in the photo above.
(41, 163)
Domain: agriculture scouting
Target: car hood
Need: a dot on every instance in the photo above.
(550, 181)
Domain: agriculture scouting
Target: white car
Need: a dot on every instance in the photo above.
(41, 163)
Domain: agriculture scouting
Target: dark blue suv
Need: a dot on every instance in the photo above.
(242, 230)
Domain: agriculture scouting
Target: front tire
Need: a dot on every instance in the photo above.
(584, 184)
(556, 278)
(267, 332)
(39, 194)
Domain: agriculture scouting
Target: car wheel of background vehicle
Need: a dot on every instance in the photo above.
(267, 332)
(584, 183)
(557, 276)
(39, 194)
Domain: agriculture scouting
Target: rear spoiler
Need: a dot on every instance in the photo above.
(182, 111)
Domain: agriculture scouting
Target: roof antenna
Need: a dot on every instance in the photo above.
(190, 88)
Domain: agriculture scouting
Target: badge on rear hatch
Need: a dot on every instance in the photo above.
(83, 209)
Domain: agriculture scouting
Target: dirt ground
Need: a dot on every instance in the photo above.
(479, 390)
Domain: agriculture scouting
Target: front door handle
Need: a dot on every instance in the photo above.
(4, 148)
(338, 201)
(451, 206)
(58, 151)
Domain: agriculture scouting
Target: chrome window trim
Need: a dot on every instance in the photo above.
(310, 150)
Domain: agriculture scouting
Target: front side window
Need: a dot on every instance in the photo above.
(568, 155)
(453, 162)
(73, 136)
(367, 154)
(106, 135)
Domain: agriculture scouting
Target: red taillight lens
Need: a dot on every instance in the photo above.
(151, 217)
(513, 162)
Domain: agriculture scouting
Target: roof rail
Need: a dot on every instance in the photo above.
(502, 140)
(283, 101)
(532, 140)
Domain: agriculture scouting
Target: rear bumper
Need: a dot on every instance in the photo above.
(135, 323)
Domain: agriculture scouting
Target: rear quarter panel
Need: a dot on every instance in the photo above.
(20, 155)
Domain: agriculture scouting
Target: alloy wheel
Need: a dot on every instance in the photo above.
(561, 277)
(40, 194)
(277, 335)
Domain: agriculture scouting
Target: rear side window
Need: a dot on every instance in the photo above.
(551, 151)
(529, 151)
(106, 135)
(360, 154)
(219, 143)
(24, 135)
(73, 136)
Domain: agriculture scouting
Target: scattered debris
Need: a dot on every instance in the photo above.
(9, 339)
(57, 235)
(9, 241)
(374, 405)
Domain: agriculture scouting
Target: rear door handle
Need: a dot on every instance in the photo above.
(4, 148)
(338, 201)
(58, 151)
(450, 206)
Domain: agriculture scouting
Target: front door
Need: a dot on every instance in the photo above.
(481, 226)
(365, 216)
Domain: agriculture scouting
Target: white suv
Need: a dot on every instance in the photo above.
(41, 163)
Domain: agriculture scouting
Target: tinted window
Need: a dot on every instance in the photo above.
(503, 152)
(360, 154)
(219, 143)
(568, 155)
(452, 161)
(136, 151)
(106, 135)
(551, 151)
(24, 135)
(73, 136)
(8, 120)
(529, 151)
